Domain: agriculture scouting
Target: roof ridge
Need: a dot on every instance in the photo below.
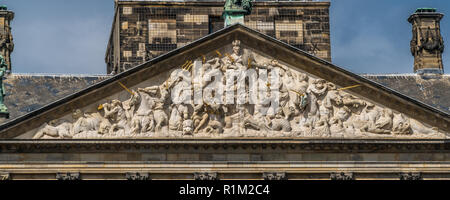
(393, 74)
(59, 74)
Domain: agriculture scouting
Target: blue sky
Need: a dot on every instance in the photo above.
(70, 36)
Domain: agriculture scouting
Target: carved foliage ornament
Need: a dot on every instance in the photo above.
(132, 176)
(268, 99)
(428, 39)
(274, 176)
(5, 176)
(68, 176)
(343, 176)
(411, 176)
(205, 176)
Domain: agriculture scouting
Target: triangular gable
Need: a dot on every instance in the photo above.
(387, 103)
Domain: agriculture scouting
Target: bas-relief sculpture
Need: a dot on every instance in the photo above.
(309, 108)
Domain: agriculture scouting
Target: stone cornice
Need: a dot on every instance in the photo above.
(9, 14)
(438, 16)
(229, 145)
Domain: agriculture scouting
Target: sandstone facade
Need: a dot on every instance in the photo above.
(227, 158)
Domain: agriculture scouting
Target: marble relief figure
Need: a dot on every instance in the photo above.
(305, 107)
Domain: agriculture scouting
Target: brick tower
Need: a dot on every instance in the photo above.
(427, 44)
(146, 29)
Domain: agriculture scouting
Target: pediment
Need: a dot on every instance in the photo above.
(314, 99)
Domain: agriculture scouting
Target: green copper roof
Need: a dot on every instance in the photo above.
(3, 7)
(421, 10)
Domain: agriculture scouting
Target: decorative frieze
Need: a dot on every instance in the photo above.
(276, 176)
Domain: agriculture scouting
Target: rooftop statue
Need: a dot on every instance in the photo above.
(3, 66)
(235, 10)
(244, 6)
